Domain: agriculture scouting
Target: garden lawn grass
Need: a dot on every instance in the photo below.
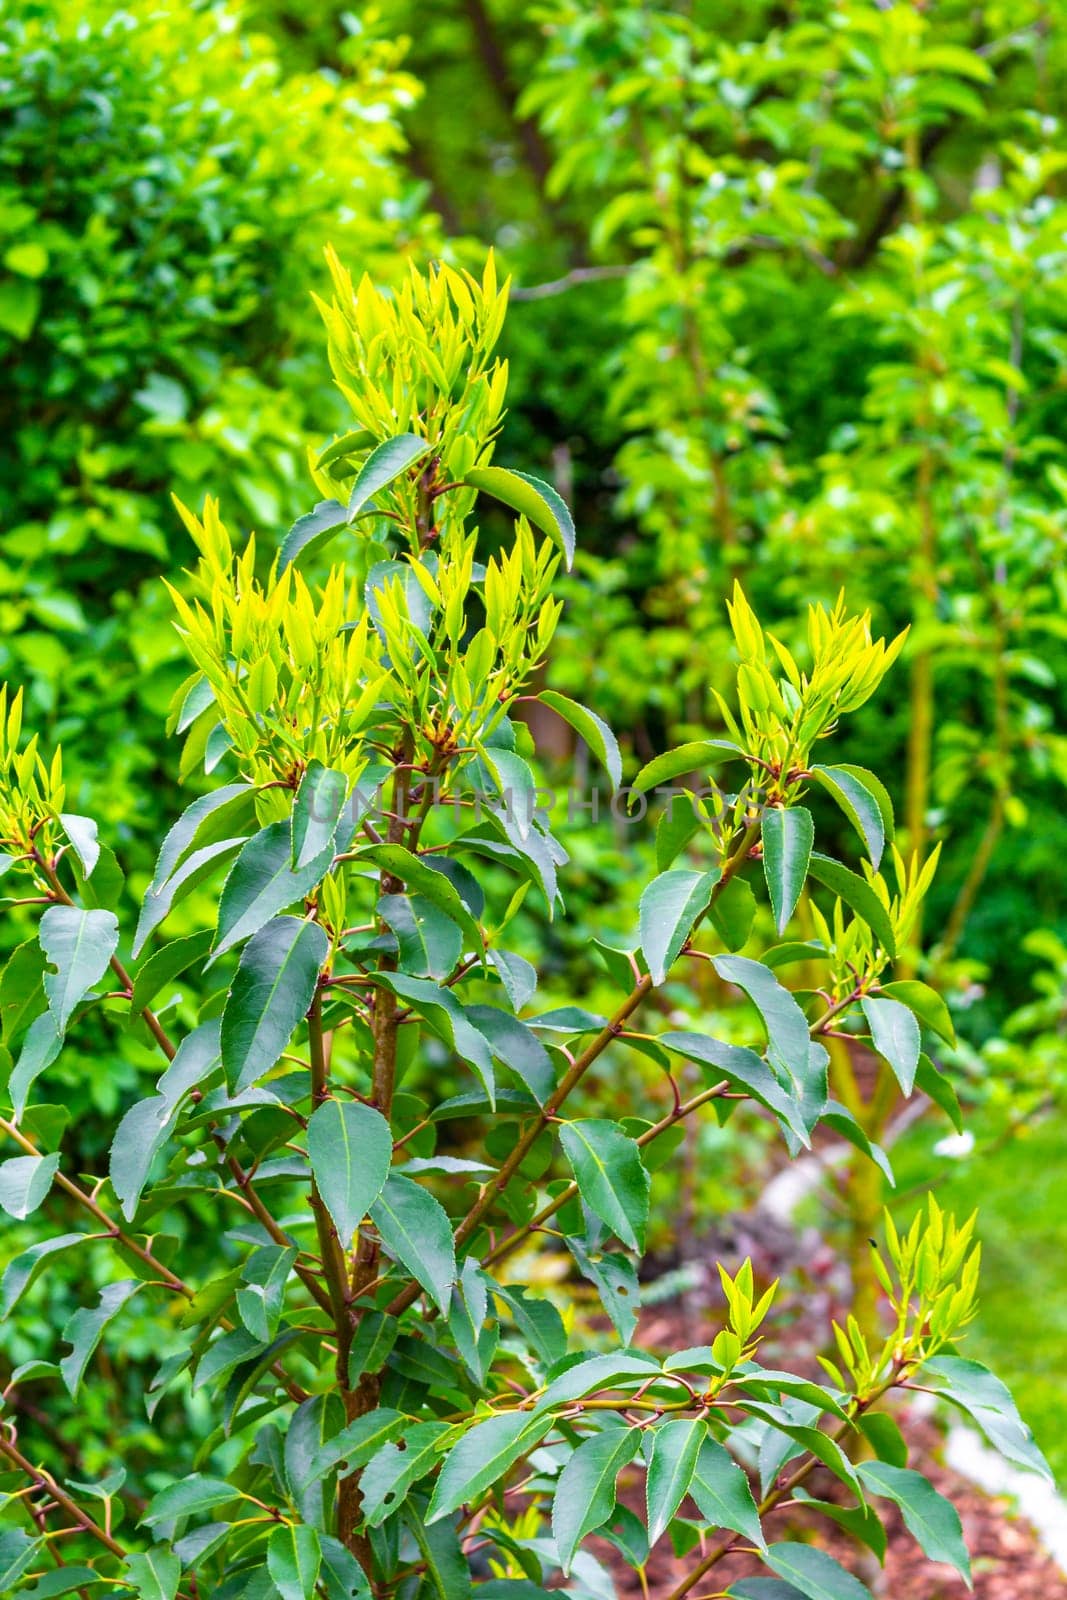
(1020, 1193)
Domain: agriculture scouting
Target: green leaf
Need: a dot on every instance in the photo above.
(611, 1176)
(341, 1574)
(596, 733)
(374, 1339)
(534, 499)
(85, 1328)
(857, 895)
(585, 1494)
(895, 1035)
(787, 1029)
(975, 1390)
(932, 1520)
(614, 1277)
(17, 1554)
(64, 1580)
(388, 1476)
(271, 993)
(934, 1083)
(428, 881)
(317, 809)
(415, 1231)
(208, 820)
(518, 1047)
(743, 1067)
(40, 1047)
(24, 1183)
(788, 836)
(347, 444)
(166, 964)
(79, 944)
(675, 1448)
(293, 1561)
(860, 805)
(884, 1436)
(155, 1574)
(722, 1494)
(537, 1320)
(429, 943)
(350, 1146)
(483, 1457)
(260, 1302)
(158, 905)
(261, 883)
(82, 833)
(20, 1272)
(383, 466)
(678, 824)
(732, 913)
(355, 1445)
(616, 1369)
(187, 1496)
(669, 908)
(763, 1589)
(447, 1570)
(698, 756)
(925, 1002)
(860, 1522)
(138, 1139)
(814, 1573)
(311, 531)
(444, 1015)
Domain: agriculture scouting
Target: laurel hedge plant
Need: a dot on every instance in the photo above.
(395, 1408)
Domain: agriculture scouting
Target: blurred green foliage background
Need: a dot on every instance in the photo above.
(790, 305)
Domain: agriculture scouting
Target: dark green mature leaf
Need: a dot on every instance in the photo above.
(787, 1029)
(722, 1494)
(64, 1580)
(415, 1231)
(861, 1522)
(429, 943)
(155, 1574)
(354, 1446)
(533, 499)
(858, 895)
(483, 1456)
(448, 1573)
(271, 992)
(159, 903)
(260, 1301)
(262, 882)
(350, 1146)
(895, 1035)
(85, 1328)
(788, 835)
(698, 756)
(859, 803)
(20, 1272)
(40, 1047)
(669, 908)
(925, 1002)
(814, 1573)
(188, 1496)
(21, 989)
(518, 1047)
(733, 912)
(429, 881)
(745, 1068)
(975, 1390)
(79, 944)
(317, 809)
(209, 820)
(17, 1554)
(763, 1589)
(932, 1520)
(596, 733)
(675, 1448)
(933, 1082)
(168, 963)
(24, 1183)
(445, 1016)
(537, 1320)
(311, 531)
(293, 1560)
(388, 1476)
(615, 1369)
(614, 1277)
(585, 1494)
(82, 833)
(341, 1574)
(139, 1137)
(884, 1436)
(610, 1174)
(383, 466)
